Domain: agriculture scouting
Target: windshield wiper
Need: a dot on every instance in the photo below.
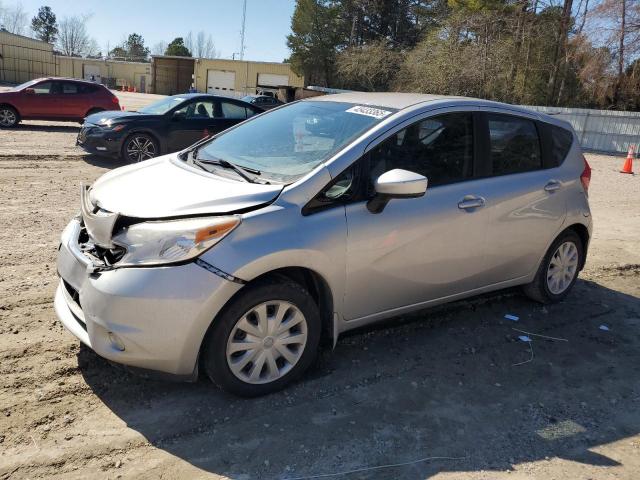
(193, 149)
(244, 172)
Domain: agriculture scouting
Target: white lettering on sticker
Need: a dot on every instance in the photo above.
(369, 111)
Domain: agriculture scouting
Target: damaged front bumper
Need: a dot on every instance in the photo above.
(152, 318)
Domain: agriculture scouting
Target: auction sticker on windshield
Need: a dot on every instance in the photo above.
(369, 111)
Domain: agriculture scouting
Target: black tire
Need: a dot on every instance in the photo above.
(214, 352)
(9, 117)
(539, 289)
(132, 153)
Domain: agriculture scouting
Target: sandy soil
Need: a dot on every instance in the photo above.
(441, 383)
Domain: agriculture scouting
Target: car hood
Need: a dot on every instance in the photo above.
(165, 187)
(101, 118)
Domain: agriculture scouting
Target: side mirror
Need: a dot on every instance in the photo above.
(29, 91)
(396, 184)
(178, 116)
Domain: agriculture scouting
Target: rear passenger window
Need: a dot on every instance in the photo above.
(68, 87)
(561, 140)
(233, 111)
(84, 88)
(440, 148)
(515, 145)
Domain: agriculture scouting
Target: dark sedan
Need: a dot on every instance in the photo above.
(166, 126)
(263, 101)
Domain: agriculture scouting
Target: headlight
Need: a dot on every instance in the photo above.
(108, 125)
(162, 242)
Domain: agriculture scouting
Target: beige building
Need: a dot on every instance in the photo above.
(243, 77)
(229, 77)
(23, 59)
(112, 73)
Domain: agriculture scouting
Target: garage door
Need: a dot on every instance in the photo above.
(272, 80)
(220, 80)
(91, 72)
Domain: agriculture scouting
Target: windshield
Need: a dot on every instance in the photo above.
(162, 106)
(289, 142)
(17, 88)
(248, 98)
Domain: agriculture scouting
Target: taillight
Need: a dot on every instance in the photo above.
(114, 99)
(585, 176)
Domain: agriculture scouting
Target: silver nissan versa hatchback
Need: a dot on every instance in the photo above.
(241, 254)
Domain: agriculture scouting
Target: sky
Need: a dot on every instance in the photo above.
(268, 22)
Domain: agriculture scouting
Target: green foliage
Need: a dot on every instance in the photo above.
(135, 48)
(369, 67)
(177, 48)
(44, 25)
(314, 40)
(517, 51)
(132, 49)
(118, 52)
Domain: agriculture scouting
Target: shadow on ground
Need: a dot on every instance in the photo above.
(105, 162)
(71, 127)
(439, 384)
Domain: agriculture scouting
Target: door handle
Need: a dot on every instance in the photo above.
(470, 201)
(552, 185)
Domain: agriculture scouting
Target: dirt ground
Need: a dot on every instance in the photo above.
(437, 392)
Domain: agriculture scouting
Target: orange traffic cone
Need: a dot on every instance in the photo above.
(628, 163)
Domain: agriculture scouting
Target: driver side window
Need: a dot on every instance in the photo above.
(200, 110)
(42, 88)
(440, 148)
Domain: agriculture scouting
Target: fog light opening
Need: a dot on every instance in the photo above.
(116, 342)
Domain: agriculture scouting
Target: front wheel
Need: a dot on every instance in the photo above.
(265, 339)
(139, 147)
(558, 271)
(8, 117)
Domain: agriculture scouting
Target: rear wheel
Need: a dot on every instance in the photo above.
(8, 117)
(140, 146)
(265, 339)
(558, 271)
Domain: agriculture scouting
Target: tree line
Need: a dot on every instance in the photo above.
(579, 53)
(70, 37)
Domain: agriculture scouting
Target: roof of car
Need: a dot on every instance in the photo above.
(383, 99)
(401, 101)
(206, 95)
(68, 79)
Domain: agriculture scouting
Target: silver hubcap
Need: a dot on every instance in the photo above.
(7, 118)
(140, 148)
(267, 342)
(562, 268)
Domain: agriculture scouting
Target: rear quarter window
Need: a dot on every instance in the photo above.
(85, 88)
(561, 141)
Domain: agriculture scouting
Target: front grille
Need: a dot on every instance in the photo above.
(75, 298)
(84, 131)
(73, 293)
